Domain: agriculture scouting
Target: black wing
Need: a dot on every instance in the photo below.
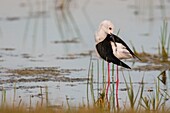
(119, 40)
(105, 51)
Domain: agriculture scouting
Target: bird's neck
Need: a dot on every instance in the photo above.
(100, 35)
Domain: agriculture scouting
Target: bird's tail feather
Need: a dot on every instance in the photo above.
(124, 65)
(120, 63)
(117, 61)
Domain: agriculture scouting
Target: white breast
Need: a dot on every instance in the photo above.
(120, 51)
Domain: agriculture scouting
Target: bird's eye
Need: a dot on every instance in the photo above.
(110, 28)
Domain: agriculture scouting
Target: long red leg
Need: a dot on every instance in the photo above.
(117, 86)
(108, 83)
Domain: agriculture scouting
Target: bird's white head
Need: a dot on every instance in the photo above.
(106, 27)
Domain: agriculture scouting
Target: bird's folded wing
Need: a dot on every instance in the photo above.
(119, 40)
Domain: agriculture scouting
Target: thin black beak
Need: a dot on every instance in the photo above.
(113, 39)
(111, 34)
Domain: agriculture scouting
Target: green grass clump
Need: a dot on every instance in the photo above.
(133, 98)
(156, 101)
(165, 41)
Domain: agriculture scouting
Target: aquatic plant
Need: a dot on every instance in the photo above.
(156, 101)
(165, 41)
(132, 98)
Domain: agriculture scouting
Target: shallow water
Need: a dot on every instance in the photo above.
(29, 29)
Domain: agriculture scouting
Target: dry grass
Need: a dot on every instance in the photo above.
(44, 109)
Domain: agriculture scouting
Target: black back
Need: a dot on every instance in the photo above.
(104, 49)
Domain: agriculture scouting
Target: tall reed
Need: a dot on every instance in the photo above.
(165, 41)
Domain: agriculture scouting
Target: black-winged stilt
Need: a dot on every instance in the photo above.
(112, 49)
